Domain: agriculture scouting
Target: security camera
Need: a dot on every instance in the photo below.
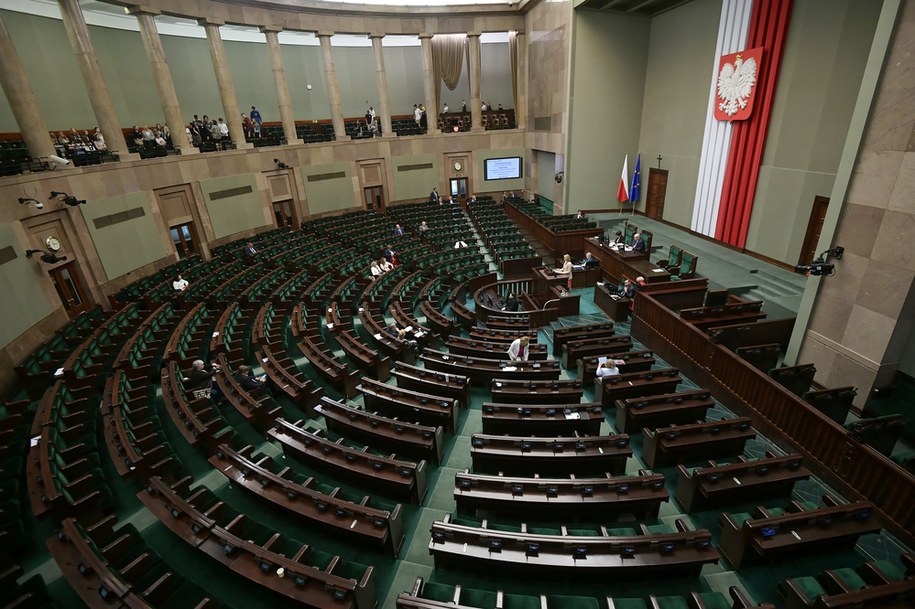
(57, 161)
(66, 198)
(816, 268)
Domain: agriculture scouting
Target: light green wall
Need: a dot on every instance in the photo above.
(24, 303)
(328, 195)
(128, 76)
(304, 66)
(356, 79)
(495, 75)
(493, 185)
(234, 214)
(825, 54)
(128, 245)
(680, 58)
(52, 71)
(404, 68)
(192, 73)
(609, 54)
(252, 78)
(416, 183)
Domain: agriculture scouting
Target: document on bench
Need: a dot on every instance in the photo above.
(573, 416)
(510, 368)
(658, 270)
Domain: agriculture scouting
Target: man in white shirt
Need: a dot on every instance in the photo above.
(179, 284)
(459, 243)
(445, 108)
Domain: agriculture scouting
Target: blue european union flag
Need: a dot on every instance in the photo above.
(636, 187)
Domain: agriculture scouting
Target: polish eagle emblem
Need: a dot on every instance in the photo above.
(736, 84)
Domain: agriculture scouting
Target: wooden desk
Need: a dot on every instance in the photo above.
(607, 300)
(635, 414)
(532, 555)
(492, 350)
(715, 484)
(635, 361)
(608, 389)
(574, 350)
(792, 532)
(696, 441)
(619, 263)
(565, 499)
(536, 392)
(562, 335)
(386, 475)
(432, 383)
(484, 371)
(542, 419)
(396, 401)
(526, 456)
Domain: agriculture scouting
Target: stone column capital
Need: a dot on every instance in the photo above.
(519, 33)
(474, 34)
(205, 21)
(324, 34)
(376, 35)
(423, 35)
(142, 9)
(270, 29)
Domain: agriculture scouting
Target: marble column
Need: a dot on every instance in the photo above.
(333, 89)
(473, 54)
(99, 96)
(163, 78)
(224, 82)
(19, 94)
(279, 79)
(382, 82)
(521, 103)
(429, 83)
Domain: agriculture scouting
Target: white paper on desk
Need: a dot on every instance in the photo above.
(264, 359)
(510, 368)
(330, 326)
(378, 336)
(419, 334)
(445, 357)
(535, 366)
(34, 441)
(408, 329)
(628, 249)
(573, 415)
(215, 334)
(658, 270)
(59, 372)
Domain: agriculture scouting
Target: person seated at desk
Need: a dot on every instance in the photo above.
(608, 367)
(459, 243)
(248, 381)
(566, 268)
(589, 262)
(385, 265)
(376, 268)
(518, 349)
(200, 380)
(398, 230)
(405, 334)
(389, 253)
(638, 244)
(580, 215)
(511, 303)
(248, 251)
(627, 290)
(180, 283)
(423, 227)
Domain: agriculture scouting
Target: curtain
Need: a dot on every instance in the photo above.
(513, 60)
(447, 61)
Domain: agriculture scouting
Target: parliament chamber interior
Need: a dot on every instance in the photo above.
(343, 305)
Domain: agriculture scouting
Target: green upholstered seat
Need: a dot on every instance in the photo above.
(740, 517)
(478, 598)
(810, 587)
(890, 569)
(438, 592)
(543, 531)
(629, 603)
(520, 601)
(713, 600)
(572, 602)
(622, 532)
(660, 528)
(584, 532)
(672, 602)
(850, 578)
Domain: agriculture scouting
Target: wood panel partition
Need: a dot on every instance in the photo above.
(856, 470)
(565, 242)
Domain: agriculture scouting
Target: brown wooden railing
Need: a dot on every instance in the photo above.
(855, 469)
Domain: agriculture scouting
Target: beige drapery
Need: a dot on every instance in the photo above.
(447, 61)
(513, 60)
